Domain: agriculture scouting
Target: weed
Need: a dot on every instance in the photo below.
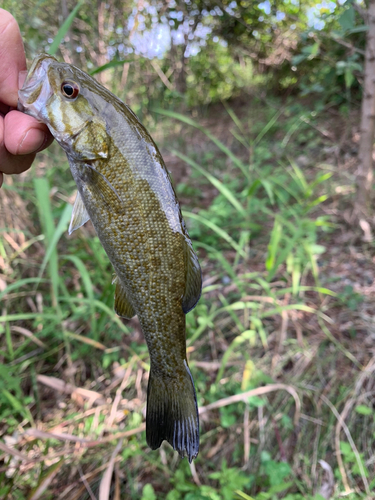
(263, 319)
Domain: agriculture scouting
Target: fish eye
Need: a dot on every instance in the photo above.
(70, 89)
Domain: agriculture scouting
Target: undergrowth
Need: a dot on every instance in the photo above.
(286, 408)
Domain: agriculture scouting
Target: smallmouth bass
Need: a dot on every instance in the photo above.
(124, 188)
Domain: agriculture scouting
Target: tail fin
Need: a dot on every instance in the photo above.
(172, 413)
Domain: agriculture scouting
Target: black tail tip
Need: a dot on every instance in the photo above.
(182, 435)
(172, 414)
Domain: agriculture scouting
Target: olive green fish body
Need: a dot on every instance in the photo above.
(125, 190)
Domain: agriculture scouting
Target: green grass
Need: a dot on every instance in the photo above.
(265, 317)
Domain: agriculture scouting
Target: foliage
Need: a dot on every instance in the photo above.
(255, 198)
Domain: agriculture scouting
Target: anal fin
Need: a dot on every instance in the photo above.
(79, 214)
(123, 306)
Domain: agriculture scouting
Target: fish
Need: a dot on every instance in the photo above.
(125, 189)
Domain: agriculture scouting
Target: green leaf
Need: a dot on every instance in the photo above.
(111, 64)
(349, 77)
(277, 472)
(345, 448)
(148, 492)
(243, 495)
(364, 410)
(347, 19)
(64, 29)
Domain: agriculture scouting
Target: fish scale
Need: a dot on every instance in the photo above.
(125, 189)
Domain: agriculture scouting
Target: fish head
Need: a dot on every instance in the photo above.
(61, 96)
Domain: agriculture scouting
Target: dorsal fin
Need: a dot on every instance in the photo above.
(123, 306)
(193, 278)
(79, 215)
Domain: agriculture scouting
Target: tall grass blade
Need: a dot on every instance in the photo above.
(45, 481)
(236, 161)
(247, 335)
(87, 283)
(64, 29)
(267, 127)
(273, 245)
(214, 181)
(217, 230)
(41, 187)
(299, 176)
(62, 226)
(111, 64)
(18, 406)
(234, 117)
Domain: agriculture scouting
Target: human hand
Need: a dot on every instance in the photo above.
(21, 136)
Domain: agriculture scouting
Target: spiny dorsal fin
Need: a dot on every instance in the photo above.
(79, 215)
(193, 278)
(123, 306)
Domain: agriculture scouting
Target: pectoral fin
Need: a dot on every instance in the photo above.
(92, 142)
(123, 306)
(193, 279)
(79, 215)
(102, 188)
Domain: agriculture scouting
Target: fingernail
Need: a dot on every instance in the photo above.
(21, 78)
(36, 145)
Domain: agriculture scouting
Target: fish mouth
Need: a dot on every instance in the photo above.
(36, 89)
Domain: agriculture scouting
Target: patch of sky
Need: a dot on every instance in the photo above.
(156, 39)
(192, 49)
(151, 9)
(178, 15)
(280, 15)
(79, 49)
(261, 18)
(111, 52)
(230, 8)
(177, 37)
(315, 14)
(153, 42)
(265, 6)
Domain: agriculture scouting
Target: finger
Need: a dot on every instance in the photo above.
(11, 164)
(1, 179)
(24, 135)
(12, 58)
